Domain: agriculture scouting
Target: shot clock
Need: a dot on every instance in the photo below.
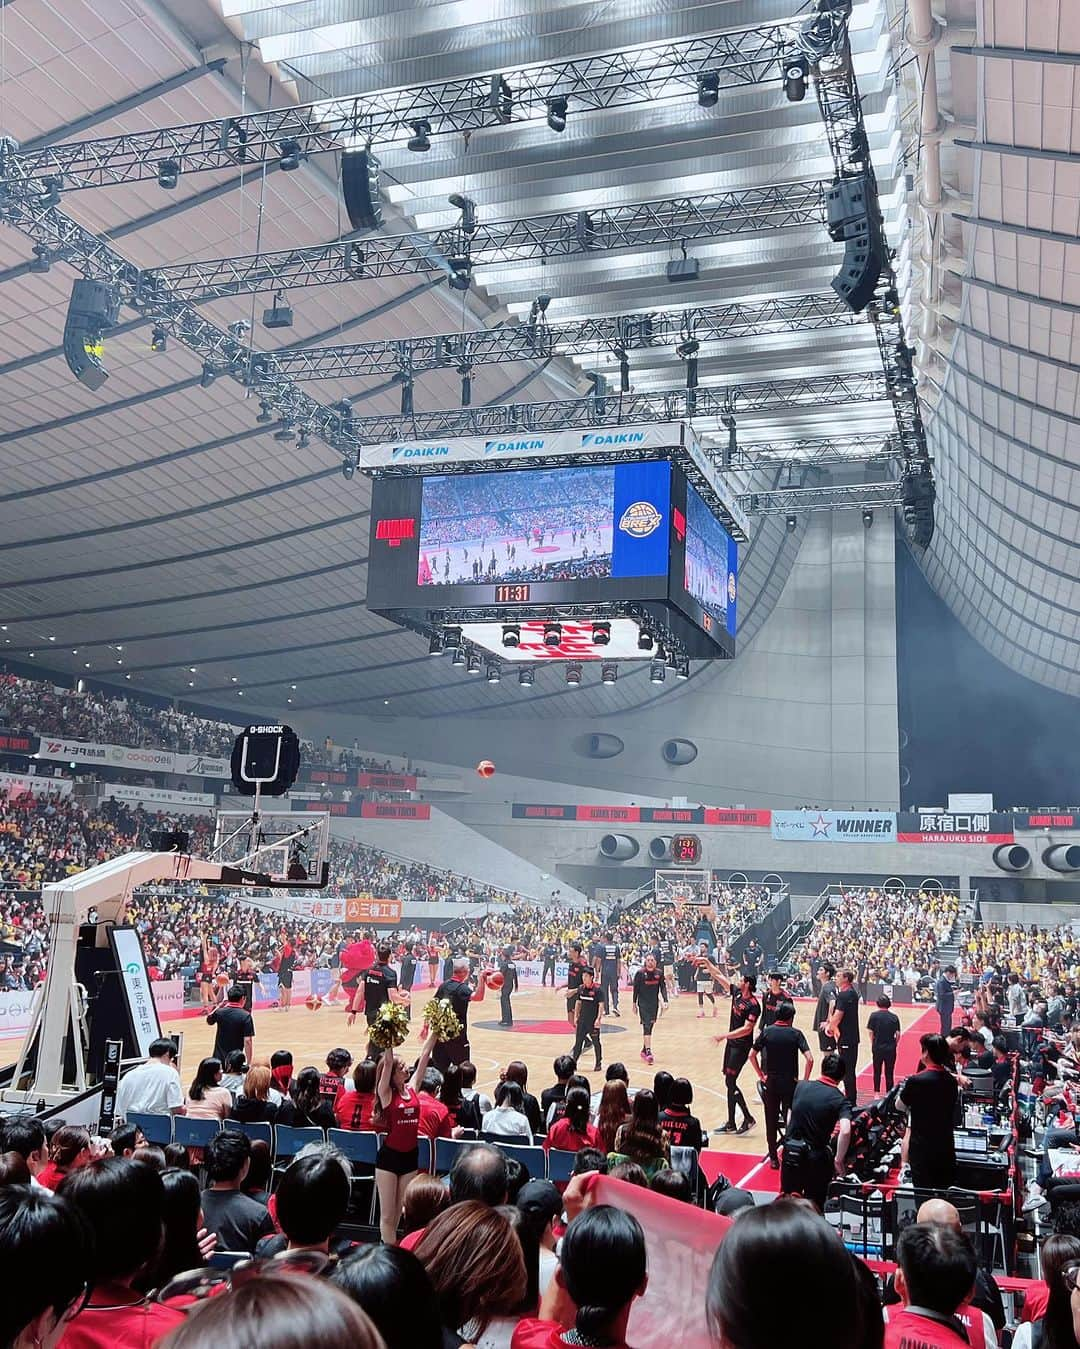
(686, 849)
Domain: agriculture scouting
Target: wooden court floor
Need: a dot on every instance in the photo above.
(682, 1044)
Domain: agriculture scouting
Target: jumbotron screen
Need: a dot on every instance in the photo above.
(710, 566)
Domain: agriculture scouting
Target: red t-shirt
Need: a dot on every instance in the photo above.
(50, 1176)
(115, 1316)
(401, 1121)
(435, 1121)
(564, 1137)
(905, 1330)
(1035, 1303)
(532, 1333)
(354, 1109)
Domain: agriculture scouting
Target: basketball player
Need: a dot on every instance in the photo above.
(575, 966)
(775, 994)
(588, 1013)
(703, 982)
(649, 988)
(738, 1041)
(286, 966)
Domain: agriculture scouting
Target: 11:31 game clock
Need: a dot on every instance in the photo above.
(512, 594)
(686, 849)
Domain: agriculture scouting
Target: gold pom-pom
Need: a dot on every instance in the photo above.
(390, 1027)
(441, 1018)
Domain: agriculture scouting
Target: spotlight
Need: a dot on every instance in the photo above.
(460, 277)
(465, 371)
(266, 413)
(682, 670)
(51, 195)
(556, 113)
(671, 660)
(511, 635)
(657, 672)
(527, 677)
(475, 664)
(552, 634)
(501, 99)
(305, 439)
(796, 73)
(291, 154)
(644, 640)
(458, 657)
(360, 189)
(791, 523)
(435, 644)
(868, 518)
(467, 207)
(348, 467)
(573, 673)
(452, 638)
(601, 634)
(420, 140)
(286, 432)
(209, 374)
(168, 174)
(494, 674)
(280, 316)
(708, 88)
(42, 260)
(159, 338)
(609, 672)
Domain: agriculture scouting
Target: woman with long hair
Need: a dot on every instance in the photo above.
(474, 1260)
(930, 1098)
(310, 1109)
(398, 1119)
(573, 1131)
(508, 1118)
(450, 1093)
(1051, 1327)
(393, 1288)
(69, 1149)
(181, 1220)
(208, 971)
(641, 1138)
(207, 1098)
(355, 1108)
(613, 1113)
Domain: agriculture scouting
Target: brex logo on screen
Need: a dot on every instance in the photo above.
(640, 519)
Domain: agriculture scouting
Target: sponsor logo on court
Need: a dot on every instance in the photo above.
(640, 520)
(420, 451)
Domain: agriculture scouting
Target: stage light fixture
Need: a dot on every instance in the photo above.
(452, 638)
(796, 73)
(209, 374)
(552, 634)
(682, 670)
(42, 260)
(304, 440)
(159, 338)
(573, 673)
(460, 277)
(671, 660)
(465, 371)
(458, 657)
(51, 194)
(601, 634)
(790, 523)
(286, 432)
(708, 88)
(644, 640)
(527, 677)
(348, 467)
(266, 413)
(360, 189)
(475, 664)
(556, 113)
(467, 207)
(868, 519)
(657, 672)
(609, 672)
(435, 644)
(291, 154)
(494, 674)
(420, 140)
(168, 174)
(511, 635)
(624, 370)
(501, 99)
(280, 315)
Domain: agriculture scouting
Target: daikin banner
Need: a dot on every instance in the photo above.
(834, 826)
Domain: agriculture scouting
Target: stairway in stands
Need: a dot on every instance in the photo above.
(948, 952)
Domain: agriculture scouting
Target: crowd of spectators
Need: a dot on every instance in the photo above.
(1043, 955)
(356, 868)
(884, 936)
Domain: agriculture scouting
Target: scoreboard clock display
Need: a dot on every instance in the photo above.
(686, 849)
(513, 594)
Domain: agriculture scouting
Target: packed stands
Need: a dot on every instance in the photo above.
(883, 936)
(1036, 954)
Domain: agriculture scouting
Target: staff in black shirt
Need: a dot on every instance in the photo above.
(884, 1028)
(817, 1108)
(509, 972)
(378, 985)
(649, 988)
(459, 993)
(930, 1099)
(608, 969)
(826, 997)
(844, 1029)
(781, 1045)
(575, 966)
(588, 1012)
(235, 1026)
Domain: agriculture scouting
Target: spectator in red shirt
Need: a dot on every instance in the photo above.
(573, 1131)
(935, 1278)
(601, 1272)
(435, 1120)
(354, 1108)
(45, 1256)
(69, 1148)
(123, 1202)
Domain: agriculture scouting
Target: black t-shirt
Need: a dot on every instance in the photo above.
(234, 1025)
(815, 1109)
(885, 1027)
(378, 981)
(752, 959)
(781, 1046)
(770, 1002)
(588, 1003)
(459, 995)
(930, 1097)
(667, 953)
(648, 989)
(847, 1004)
(824, 1002)
(743, 1010)
(573, 974)
(237, 1221)
(682, 1129)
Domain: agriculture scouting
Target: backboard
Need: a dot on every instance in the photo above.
(284, 850)
(684, 886)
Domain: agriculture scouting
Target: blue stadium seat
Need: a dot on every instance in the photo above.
(357, 1146)
(560, 1165)
(289, 1140)
(260, 1132)
(533, 1159)
(446, 1149)
(194, 1133)
(156, 1128)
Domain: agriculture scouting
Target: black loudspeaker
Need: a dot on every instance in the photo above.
(853, 216)
(93, 309)
(170, 840)
(360, 189)
(267, 757)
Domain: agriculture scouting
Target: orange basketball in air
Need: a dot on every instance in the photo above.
(495, 979)
(313, 1003)
(486, 768)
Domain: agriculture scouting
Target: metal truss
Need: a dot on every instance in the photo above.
(843, 496)
(664, 406)
(540, 239)
(638, 75)
(588, 337)
(813, 452)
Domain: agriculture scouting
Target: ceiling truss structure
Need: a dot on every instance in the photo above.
(865, 496)
(620, 79)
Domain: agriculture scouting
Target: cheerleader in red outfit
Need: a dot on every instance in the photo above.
(398, 1118)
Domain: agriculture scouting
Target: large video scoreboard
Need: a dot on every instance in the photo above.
(517, 544)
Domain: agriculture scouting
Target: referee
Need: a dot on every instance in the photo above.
(780, 1044)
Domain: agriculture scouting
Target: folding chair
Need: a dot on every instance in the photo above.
(156, 1128)
(289, 1140)
(361, 1148)
(560, 1165)
(260, 1131)
(533, 1159)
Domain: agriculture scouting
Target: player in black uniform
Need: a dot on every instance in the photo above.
(610, 966)
(649, 987)
(378, 984)
(588, 1012)
(775, 994)
(738, 1041)
(575, 966)
(781, 1044)
(666, 958)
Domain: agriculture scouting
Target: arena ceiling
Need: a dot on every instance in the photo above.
(154, 526)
